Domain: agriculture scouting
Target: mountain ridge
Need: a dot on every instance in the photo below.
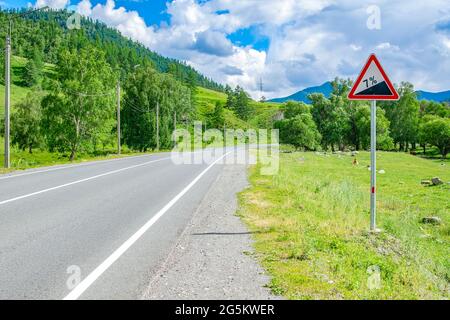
(326, 89)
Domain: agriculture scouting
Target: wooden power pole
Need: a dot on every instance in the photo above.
(157, 126)
(119, 147)
(7, 96)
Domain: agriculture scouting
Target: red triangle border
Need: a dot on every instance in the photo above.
(394, 96)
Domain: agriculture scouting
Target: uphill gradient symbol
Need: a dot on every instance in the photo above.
(373, 83)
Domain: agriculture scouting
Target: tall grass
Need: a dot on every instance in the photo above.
(312, 223)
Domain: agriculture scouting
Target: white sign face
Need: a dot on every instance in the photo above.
(373, 83)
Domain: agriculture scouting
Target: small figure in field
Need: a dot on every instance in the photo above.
(355, 162)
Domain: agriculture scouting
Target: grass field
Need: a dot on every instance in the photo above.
(18, 90)
(310, 225)
(262, 117)
(21, 160)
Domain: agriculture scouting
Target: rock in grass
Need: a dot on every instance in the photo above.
(432, 220)
(426, 182)
(436, 181)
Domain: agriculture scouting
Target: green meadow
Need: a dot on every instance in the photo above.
(310, 224)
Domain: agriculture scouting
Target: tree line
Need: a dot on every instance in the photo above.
(336, 123)
(39, 36)
(77, 110)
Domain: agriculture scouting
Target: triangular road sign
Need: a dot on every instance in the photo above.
(373, 83)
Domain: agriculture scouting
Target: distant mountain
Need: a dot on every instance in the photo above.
(302, 96)
(326, 89)
(434, 96)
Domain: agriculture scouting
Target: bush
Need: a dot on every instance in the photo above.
(300, 131)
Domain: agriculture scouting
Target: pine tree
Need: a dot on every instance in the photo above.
(33, 69)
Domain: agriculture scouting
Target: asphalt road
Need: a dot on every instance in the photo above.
(104, 226)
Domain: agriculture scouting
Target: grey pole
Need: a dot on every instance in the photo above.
(157, 126)
(119, 147)
(7, 98)
(373, 164)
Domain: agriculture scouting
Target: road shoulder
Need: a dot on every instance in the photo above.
(212, 258)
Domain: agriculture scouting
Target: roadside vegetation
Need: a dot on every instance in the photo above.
(43, 131)
(311, 222)
(335, 123)
(22, 159)
(63, 94)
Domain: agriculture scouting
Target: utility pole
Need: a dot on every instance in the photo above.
(119, 149)
(157, 126)
(7, 95)
(7, 162)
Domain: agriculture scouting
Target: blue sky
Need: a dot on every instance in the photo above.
(290, 44)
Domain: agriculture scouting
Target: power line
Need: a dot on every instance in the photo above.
(136, 108)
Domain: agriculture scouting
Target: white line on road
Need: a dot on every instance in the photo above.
(79, 181)
(94, 275)
(70, 166)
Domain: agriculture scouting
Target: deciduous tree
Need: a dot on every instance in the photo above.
(81, 100)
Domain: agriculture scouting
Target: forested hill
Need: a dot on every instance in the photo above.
(47, 31)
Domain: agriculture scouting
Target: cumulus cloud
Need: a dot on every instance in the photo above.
(311, 41)
(212, 42)
(84, 8)
(387, 46)
(129, 23)
(54, 4)
(231, 71)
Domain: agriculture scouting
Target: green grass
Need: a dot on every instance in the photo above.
(311, 222)
(206, 96)
(21, 160)
(264, 114)
(206, 101)
(262, 117)
(18, 90)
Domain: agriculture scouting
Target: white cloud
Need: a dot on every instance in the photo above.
(129, 23)
(84, 8)
(354, 47)
(311, 41)
(213, 42)
(54, 4)
(387, 46)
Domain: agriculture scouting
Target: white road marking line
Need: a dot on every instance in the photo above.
(70, 166)
(80, 181)
(94, 275)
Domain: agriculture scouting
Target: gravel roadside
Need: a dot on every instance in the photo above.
(211, 259)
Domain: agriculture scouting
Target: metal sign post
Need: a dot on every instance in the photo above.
(373, 165)
(373, 84)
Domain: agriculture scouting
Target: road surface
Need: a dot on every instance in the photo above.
(97, 230)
